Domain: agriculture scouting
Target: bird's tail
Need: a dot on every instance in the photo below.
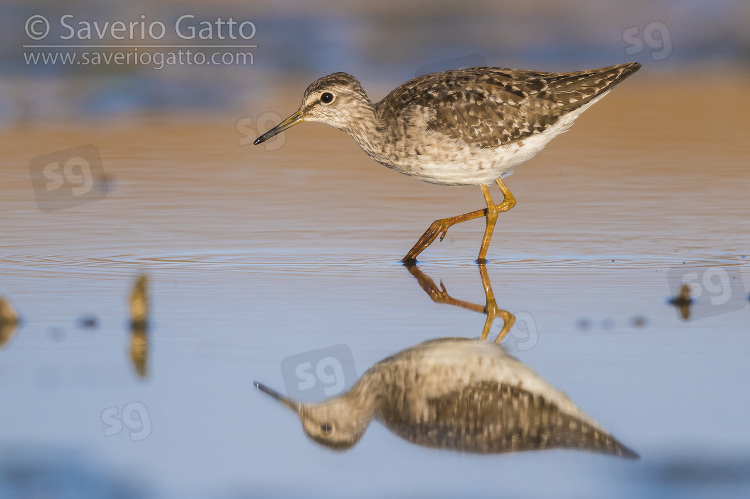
(580, 87)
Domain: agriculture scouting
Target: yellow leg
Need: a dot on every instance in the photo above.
(509, 201)
(491, 220)
(440, 227)
(493, 311)
(490, 308)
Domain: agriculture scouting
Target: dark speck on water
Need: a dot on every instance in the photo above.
(583, 324)
(88, 322)
(639, 321)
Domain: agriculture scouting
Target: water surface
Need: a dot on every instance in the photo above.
(257, 255)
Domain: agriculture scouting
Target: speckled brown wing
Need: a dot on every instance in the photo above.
(491, 107)
(490, 418)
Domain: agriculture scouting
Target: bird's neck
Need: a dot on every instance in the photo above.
(366, 395)
(366, 130)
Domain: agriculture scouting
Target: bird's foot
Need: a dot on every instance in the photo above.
(437, 228)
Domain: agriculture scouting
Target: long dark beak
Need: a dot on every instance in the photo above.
(295, 406)
(287, 123)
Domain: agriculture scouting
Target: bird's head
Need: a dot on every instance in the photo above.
(337, 100)
(338, 423)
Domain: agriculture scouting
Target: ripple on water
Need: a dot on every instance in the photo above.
(325, 261)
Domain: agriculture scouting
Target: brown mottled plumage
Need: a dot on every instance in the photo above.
(463, 127)
(455, 393)
(498, 106)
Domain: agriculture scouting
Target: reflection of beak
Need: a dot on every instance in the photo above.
(295, 406)
(287, 123)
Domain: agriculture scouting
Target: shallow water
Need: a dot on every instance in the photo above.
(255, 255)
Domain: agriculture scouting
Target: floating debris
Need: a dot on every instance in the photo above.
(139, 351)
(8, 321)
(8, 314)
(139, 326)
(683, 301)
(639, 321)
(88, 322)
(583, 324)
(139, 302)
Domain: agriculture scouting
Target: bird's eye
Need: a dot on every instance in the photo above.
(326, 98)
(325, 427)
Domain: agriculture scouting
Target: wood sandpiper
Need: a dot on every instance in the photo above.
(464, 127)
(455, 393)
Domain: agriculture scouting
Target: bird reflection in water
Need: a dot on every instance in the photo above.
(456, 393)
(139, 326)
(490, 308)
